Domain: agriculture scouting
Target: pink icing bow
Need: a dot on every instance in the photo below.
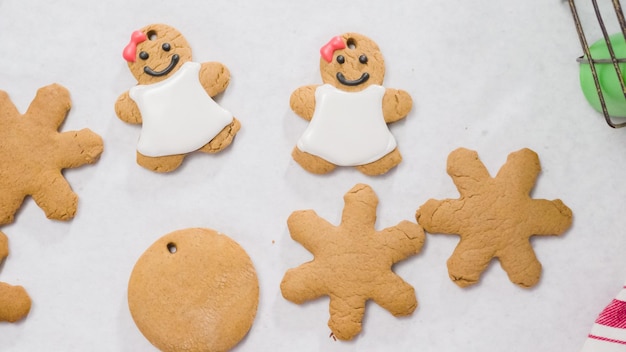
(131, 49)
(327, 50)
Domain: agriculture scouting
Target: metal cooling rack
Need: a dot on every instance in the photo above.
(586, 58)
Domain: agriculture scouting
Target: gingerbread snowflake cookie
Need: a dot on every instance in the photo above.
(14, 301)
(349, 113)
(173, 99)
(495, 217)
(352, 262)
(33, 153)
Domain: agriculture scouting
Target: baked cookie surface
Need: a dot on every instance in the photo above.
(14, 301)
(495, 217)
(33, 153)
(352, 262)
(349, 113)
(194, 290)
(173, 99)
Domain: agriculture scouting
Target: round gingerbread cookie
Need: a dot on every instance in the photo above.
(194, 290)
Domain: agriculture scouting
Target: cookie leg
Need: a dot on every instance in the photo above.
(395, 295)
(296, 287)
(381, 165)
(56, 198)
(312, 163)
(223, 139)
(14, 302)
(161, 163)
(346, 315)
(468, 262)
(80, 147)
(521, 264)
(11, 202)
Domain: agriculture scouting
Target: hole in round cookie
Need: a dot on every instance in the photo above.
(152, 35)
(351, 43)
(171, 247)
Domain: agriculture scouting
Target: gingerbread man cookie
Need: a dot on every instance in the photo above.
(173, 99)
(349, 113)
(495, 217)
(352, 262)
(33, 153)
(14, 301)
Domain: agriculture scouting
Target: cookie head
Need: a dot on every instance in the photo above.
(352, 62)
(156, 52)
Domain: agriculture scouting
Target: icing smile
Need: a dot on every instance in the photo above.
(166, 70)
(343, 80)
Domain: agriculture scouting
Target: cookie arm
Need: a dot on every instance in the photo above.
(346, 315)
(395, 295)
(308, 229)
(11, 198)
(78, 148)
(469, 260)
(396, 104)
(466, 170)
(14, 303)
(8, 108)
(127, 110)
(401, 241)
(55, 197)
(298, 287)
(214, 77)
(549, 217)
(302, 101)
(520, 263)
(359, 211)
(439, 216)
(50, 105)
(520, 170)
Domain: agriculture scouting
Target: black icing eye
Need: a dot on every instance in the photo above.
(144, 55)
(363, 59)
(341, 59)
(166, 46)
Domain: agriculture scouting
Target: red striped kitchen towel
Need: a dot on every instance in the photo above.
(608, 334)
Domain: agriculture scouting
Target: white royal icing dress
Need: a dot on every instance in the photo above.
(178, 115)
(348, 128)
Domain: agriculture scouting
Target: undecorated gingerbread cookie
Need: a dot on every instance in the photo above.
(495, 217)
(349, 113)
(194, 290)
(14, 301)
(173, 99)
(33, 153)
(352, 262)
